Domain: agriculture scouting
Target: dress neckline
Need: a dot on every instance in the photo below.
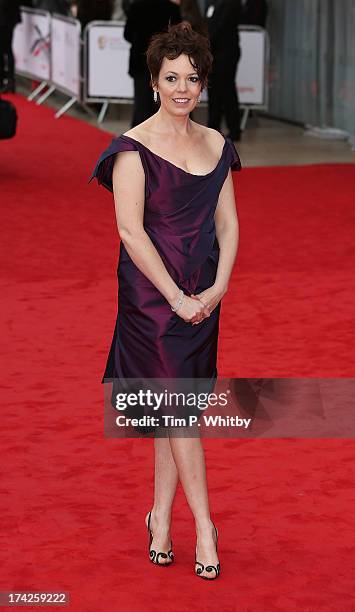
(174, 165)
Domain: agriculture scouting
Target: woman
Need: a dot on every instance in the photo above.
(177, 220)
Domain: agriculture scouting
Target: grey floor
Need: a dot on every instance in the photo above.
(265, 141)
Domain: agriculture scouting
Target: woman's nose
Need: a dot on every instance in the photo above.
(182, 85)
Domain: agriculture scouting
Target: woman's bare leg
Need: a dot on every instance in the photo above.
(189, 457)
(165, 483)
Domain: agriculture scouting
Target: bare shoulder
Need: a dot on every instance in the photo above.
(140, 132)
(211, 138)
(133, 132)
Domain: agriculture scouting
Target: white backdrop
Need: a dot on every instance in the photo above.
(108, 54)
(251, 67)
(66, 54)
(32, 44)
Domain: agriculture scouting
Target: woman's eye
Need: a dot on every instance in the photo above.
(193, 79)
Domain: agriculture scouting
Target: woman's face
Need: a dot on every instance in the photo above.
(179, 85)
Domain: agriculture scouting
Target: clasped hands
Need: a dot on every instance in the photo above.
(196, 308)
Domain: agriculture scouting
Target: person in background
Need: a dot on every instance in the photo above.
(254, 12)
(53, 6)
(190, 11)
(92, 10)
(145, 18)
(223, 18)
(9, 16)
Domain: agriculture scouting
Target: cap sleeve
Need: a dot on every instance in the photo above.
(233, 157)
(104, 165)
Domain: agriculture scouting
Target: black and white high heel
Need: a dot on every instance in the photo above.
(208, 568)
(154, 556)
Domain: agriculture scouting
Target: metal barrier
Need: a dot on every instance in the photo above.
(106, 56)
(48, 48)
(65, 61)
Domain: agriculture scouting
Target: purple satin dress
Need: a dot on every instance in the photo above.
(150, 340)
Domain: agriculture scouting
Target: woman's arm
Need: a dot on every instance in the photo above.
(128, 181)
(227, 232)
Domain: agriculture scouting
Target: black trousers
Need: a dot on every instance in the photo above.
(6, 34)
(223, 96)
(144, 105)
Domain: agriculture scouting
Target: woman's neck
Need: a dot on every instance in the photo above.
(165, 123)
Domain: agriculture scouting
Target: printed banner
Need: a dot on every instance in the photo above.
(31, 44)
(251, 67)
(108, 55)
(66, 54)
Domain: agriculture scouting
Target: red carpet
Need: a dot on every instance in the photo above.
(73, 503)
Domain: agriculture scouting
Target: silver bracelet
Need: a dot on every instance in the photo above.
(179, 302)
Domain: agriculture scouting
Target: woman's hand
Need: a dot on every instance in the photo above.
(209, 298)
(192, 310)
(195, 308)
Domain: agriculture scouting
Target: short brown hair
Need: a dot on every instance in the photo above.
(180, 39)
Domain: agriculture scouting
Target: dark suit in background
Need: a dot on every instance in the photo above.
(223, 18)
(145, 18)
(53, 6)
(9, 16)
(92, 10)
(255, 13)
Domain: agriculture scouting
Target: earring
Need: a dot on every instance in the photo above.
(199, 99)
(155, 96)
